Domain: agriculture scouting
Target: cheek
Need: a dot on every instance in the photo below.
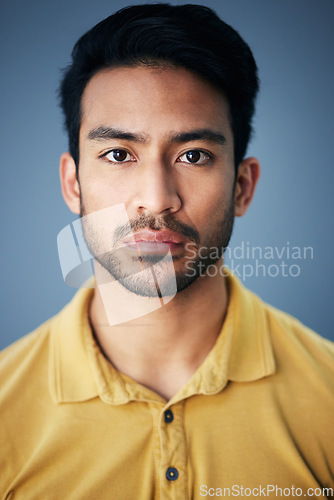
(98, 192)
(209, 203)
(216, 221)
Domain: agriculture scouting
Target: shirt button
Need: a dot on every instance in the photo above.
(172, 474)
(169, 417)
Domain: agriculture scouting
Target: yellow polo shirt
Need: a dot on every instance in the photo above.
(257, 414)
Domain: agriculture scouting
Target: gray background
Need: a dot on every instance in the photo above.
(293, 44)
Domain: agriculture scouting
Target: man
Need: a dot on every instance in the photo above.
(164, 381)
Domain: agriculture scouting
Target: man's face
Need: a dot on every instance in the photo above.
(159, 142)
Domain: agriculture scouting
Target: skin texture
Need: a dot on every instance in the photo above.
(160, 188)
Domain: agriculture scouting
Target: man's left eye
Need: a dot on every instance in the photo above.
(194, 156)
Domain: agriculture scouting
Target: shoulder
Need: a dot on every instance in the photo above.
(289, 338)
(299, 352)
(304, 361)
(24, 357)
(28, 357)
(23, 389)
(289, 335)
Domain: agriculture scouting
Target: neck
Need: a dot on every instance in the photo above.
(161, 349)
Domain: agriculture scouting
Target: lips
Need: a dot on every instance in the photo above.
(150, 236)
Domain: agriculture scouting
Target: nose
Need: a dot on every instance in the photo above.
(156, 189)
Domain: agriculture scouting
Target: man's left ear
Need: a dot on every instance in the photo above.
(247, 177)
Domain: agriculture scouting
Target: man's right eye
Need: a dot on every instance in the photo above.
(118, 156)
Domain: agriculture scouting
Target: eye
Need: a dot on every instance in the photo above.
(118, 156)
(195, 156)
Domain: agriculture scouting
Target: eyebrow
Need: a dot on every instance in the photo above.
(103, 133)
(198, 135)
(106, 133)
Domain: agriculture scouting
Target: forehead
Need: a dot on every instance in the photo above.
(153, 100)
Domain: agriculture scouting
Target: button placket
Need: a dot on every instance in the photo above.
(172, 474)
(173, 454)
(168, 416)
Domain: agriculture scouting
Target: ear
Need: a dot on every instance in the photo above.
(247, 177)
(69, 183)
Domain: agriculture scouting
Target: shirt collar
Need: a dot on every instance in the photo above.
(243, 351)
(70, 375)
(79, 371)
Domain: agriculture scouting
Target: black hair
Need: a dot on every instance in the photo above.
(188, 36)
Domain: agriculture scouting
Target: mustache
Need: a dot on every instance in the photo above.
(150, 222)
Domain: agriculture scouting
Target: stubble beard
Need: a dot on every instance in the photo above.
(152, 275)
